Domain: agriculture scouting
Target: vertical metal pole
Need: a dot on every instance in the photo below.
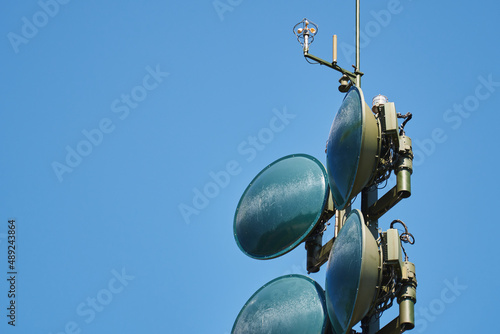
(368, 197)
(358, 76)
(340, 217)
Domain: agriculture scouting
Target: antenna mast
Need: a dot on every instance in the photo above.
(358, 74)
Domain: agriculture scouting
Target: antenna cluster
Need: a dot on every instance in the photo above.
(292, 200)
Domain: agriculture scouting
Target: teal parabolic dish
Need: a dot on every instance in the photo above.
(281, 206)
(292, 304)
(344, 147)
(352, 274)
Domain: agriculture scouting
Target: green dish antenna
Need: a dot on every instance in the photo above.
(281, 206)
(353, 274)
(353, 148)
(292, 304)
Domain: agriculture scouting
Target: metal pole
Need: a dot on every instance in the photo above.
(368, 196)
(358, 76)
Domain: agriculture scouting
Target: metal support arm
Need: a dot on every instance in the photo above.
(317, 255)
(352, 76)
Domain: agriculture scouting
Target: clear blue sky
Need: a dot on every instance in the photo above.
(115, 116)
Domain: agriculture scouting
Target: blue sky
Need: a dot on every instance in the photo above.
(115, 116)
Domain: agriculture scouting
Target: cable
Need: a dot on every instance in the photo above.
(385, 184)
(386, 299)
(407, 117)
(313, 63)
(387, 161)
(405, 237)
